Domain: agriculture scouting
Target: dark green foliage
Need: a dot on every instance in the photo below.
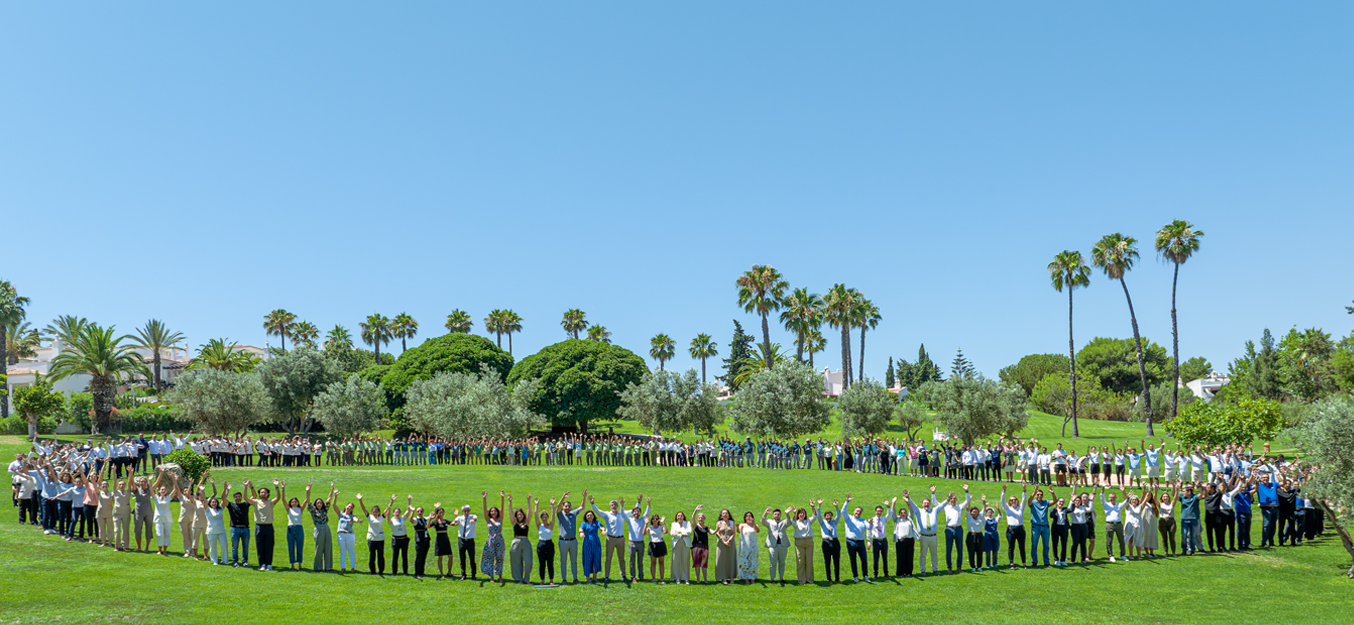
(1033, 368)
(740, 349)
(961, 366)
(194, 464)
(351, 360)
(453, 353)
(1193, 369)
(889, 378)
(1115, 362)
(1256, 372)
(913, 375)
(151, 418)
(580, 380)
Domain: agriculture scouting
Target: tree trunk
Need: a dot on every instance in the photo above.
(799, 346)
(403, 345)
(846, 356)
(811, 360)
(1072, 354)
(157, 371)
(499, 338)
(510, 344)
(284, 340)
(702, 371)
(1175, 347)
(33, 427)
(103, 392)
(4, 357)
(862, 352)
(1142, 368)
(766, 341)
(1340, 529)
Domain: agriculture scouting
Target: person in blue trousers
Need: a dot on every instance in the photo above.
(1189, 521)
(1039, 526)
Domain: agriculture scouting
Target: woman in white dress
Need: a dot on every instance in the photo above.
(1133, 524)
(164, 517)
(681, 548)
(1148, 538)
(747, 548)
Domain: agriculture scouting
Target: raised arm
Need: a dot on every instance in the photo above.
(409, 507)
(363, 504)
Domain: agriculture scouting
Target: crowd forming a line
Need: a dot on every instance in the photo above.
(64, 489)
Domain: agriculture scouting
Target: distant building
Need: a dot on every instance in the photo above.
(1206, 387)
(832, 382)
(24, 373)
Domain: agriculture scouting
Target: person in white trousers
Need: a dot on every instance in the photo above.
(777, 543)
(927, 524)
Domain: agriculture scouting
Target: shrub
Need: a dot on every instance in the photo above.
(194, 464)
(449, 353)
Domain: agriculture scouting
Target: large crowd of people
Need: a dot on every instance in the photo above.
(79, 492)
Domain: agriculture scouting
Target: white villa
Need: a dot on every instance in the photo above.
(1206, 387)
(172, 362)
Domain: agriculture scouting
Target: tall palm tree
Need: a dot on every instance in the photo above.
(760, 290)
(1069, 271)
(21, 341)
(599, 333)
(1177, 242)
(802, 314)
(1114, 254)
(404, 328)
(574, 321)
(338, 338)
(96, 352)
(661, 348)
(11, 313)
(702, 347)
(839, 312)
(65, 327)
(494, 323)
(222, 356)
(814, 343)
(376, 332)
(754, 364)
(512, 322)
(156, 337)
(867, 318)
(279, 323)
(305, 332)
(459, 321)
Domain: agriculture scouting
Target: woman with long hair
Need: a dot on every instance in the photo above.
(216, 533)
(592, 545)
(376, 536)
(681, 548)
(399, 537)
(545, 544)
(520, 551)
(319, 515)
(442, 544)
(747, 548)
(296, 536)
(491, 562)
(658, 548)
(726, 549)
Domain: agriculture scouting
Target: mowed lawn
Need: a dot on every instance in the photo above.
(49, 580)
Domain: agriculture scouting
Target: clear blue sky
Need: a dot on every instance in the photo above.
(204, 163)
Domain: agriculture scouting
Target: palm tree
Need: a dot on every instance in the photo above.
(156, 337)
(279, 323)
(512, 322)
(839, 312)
(459, 322)
(599, 333)
(574, 321)
(11, 313)
(814, 343)
(305, 332)
(494, 323)
(403, 327)
(222, 356)
(376, 332)
(1068, 270)
(661, 348)
(338, 338)
(803, 313)
(867, 318)
(106, 360)
(760, 290)
(65, 327)
(702, 347)
(1177, 242)
(753, 364)
(21, 341)
(1114, 254)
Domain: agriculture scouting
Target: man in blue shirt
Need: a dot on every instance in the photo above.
(1241, 504)
(567, 520)
(1189, 521)
(1039, 525)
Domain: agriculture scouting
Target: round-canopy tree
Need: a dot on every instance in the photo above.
(449, 353)
(221, 402)
(350, 406)
(867, 407)
(472, 405)
(580, 380)
(783, 402)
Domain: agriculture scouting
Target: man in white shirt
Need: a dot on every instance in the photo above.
(880, 527)
(954, 525)
(636, 523)
(1114, 527)
(465, 540)
(1015, 524)
(614, 522)
(927, 527)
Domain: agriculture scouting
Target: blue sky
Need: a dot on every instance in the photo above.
(204, 163)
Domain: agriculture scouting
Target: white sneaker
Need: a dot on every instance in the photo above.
(1111, 558)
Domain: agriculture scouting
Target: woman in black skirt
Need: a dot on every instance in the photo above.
(658, 549)
(420, 543)
(442, 550)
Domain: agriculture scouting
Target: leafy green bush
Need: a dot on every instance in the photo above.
(580, 380)
(151, 418)
(449, 353)
(1238, 422)
(15, 425)
(80, 410)
(194, 464)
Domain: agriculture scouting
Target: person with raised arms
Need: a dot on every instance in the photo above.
(954, 525)
(832, 549)
(928, 527)
(615, 525)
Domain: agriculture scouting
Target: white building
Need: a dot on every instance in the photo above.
(25, 372)
(832, 382)
(1206, 387)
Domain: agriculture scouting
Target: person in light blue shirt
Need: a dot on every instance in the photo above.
(1189, 521)
(566, 522)
(832, 550)
(1039, 531)
(857, 530)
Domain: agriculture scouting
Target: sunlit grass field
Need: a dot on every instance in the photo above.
(49, 580)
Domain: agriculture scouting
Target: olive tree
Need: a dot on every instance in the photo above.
(221, 402)
(351, 406)
(472, 405)
(293, 380)
(1327, 436)
(971, 408)
(669, 401)
(783, 402)
(867, 407)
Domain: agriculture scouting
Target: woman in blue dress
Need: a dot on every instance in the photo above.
(592, 546)
(491, 562)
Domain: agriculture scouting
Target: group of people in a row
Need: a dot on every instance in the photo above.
(66, 496)
(1000, 460)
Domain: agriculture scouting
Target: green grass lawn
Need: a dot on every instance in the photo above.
(49, 580)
